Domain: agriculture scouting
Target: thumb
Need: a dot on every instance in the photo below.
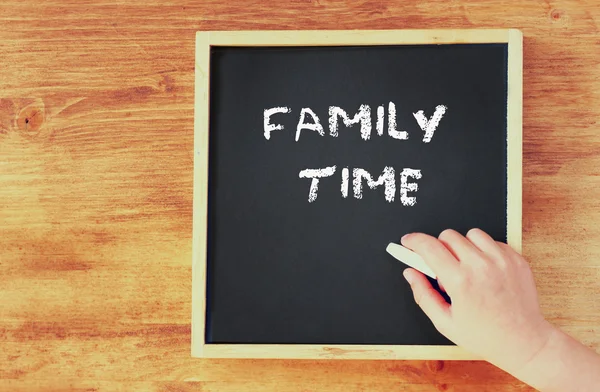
(429, 300)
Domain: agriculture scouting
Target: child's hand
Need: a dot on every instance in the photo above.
(494, 312)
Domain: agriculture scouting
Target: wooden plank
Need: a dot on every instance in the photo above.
(355, 37)
(201, 128)
(514, 201)
(307, 351)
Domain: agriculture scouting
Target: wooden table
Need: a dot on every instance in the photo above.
(96, 132)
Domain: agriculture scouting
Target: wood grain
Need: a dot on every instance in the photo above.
(96, 142)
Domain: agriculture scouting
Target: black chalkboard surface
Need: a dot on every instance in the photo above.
(318, 157)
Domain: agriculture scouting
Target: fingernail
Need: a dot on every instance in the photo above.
(408, 277)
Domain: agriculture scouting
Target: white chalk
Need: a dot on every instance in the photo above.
(429, 126)
(406, 186)
(392, 124)
(268, 127)
(315, 174)
(380, 120)
(315, 126)
(410, 258)
(345, 177)
(363, 116)
(386, 178)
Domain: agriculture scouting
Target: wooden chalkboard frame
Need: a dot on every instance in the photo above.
(204, 41)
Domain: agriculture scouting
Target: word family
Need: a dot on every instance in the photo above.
(363, 116)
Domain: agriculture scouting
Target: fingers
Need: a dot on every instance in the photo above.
(460, 247)
(429, 300)
(511, 254)
(434, 253)
(484, 242)
(506, 248)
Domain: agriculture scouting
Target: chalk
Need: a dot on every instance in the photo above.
(363, 116)
(315, 126)
(406, 186)
(386, 178)
(392, 124)
(429, 126)
(345, 177)
(410, 258)
(268, 127)
(380, 120)
(315, 174)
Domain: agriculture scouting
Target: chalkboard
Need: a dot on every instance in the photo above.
(318, 157)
